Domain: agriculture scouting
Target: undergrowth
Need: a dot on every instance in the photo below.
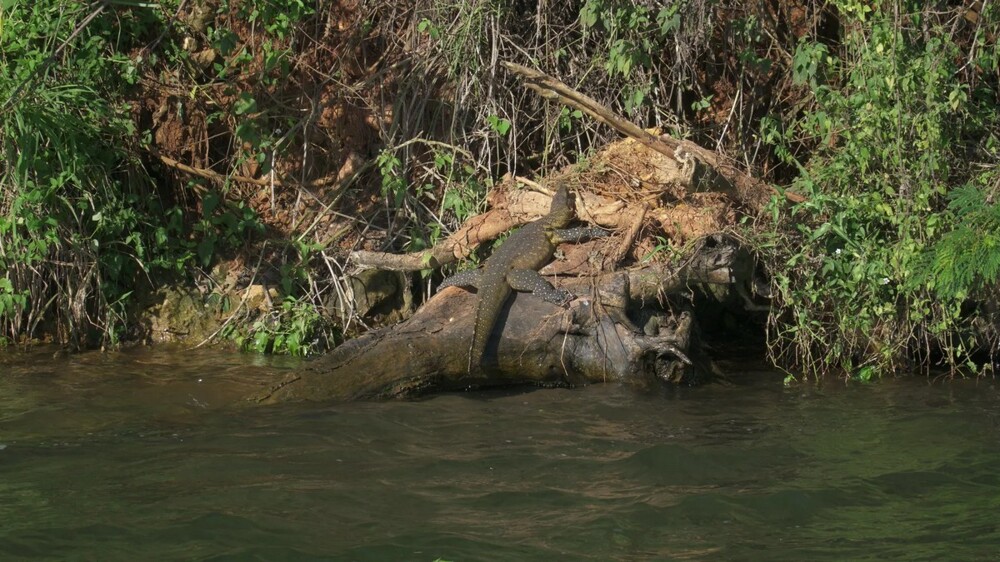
(80, 223)
(143, 143)
(897, 151)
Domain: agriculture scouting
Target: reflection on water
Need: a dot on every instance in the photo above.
(146, 454)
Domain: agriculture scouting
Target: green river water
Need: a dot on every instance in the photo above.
(144, 455)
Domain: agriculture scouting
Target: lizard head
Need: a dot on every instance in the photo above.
(563, 206)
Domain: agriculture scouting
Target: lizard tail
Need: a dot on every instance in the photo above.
(491, 299)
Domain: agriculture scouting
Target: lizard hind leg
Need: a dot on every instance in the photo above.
(529, 281)
(469, 278)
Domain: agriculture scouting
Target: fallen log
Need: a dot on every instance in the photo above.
(614, 331)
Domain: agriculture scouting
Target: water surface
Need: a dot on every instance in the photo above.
(146, 454)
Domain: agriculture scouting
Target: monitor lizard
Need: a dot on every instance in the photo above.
(514, 267)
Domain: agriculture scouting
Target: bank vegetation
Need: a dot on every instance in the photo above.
(235, 155)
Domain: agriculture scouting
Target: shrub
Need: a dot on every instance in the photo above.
(872, 272)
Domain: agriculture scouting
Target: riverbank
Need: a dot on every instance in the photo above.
(233, 156)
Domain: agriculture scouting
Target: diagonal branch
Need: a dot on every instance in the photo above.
(679, 150)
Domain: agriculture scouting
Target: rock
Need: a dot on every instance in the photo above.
(377, 296)
(179, 315)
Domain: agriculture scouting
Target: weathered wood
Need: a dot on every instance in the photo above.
(516, 208)
(539, 344)
(510, 209)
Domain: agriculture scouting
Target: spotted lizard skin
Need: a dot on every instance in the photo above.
(514, 266)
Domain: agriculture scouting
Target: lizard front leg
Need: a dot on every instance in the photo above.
(529, 281)
(577, 235)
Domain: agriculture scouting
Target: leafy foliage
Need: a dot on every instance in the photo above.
(966, 260)
(295, 328)
(76, 219)
(82, 223)
(883, 113)
(877, 262)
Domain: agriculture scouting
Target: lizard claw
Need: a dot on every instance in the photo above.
(566, 297)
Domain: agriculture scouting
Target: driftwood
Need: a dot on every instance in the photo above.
(596, 339)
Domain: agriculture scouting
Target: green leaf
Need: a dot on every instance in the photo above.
(206, 249)
(245, 104)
